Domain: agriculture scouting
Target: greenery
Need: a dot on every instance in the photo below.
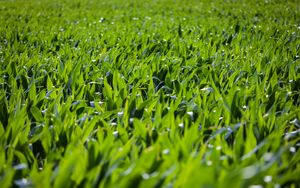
(169, 93)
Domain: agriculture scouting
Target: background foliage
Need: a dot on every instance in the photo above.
(149, 93)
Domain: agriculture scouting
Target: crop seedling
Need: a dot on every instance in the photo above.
(149, 93)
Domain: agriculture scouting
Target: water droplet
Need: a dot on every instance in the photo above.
(145, 176)
(292, 149)
(268, 179)
(113, 124)
(166, 152)
(249, 172)
(209, 163)
(120, 113)
(255, 186)
(116, 134)
(191, 114)
(21, 166)
(22, 182)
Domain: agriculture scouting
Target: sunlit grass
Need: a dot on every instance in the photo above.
(149, 93)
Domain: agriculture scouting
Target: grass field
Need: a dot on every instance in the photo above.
(170, 93)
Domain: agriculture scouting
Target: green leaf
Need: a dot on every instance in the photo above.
(37, 114)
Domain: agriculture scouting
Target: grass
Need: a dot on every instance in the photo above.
(149, 93)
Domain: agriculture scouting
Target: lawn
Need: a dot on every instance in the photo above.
(169, 93)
